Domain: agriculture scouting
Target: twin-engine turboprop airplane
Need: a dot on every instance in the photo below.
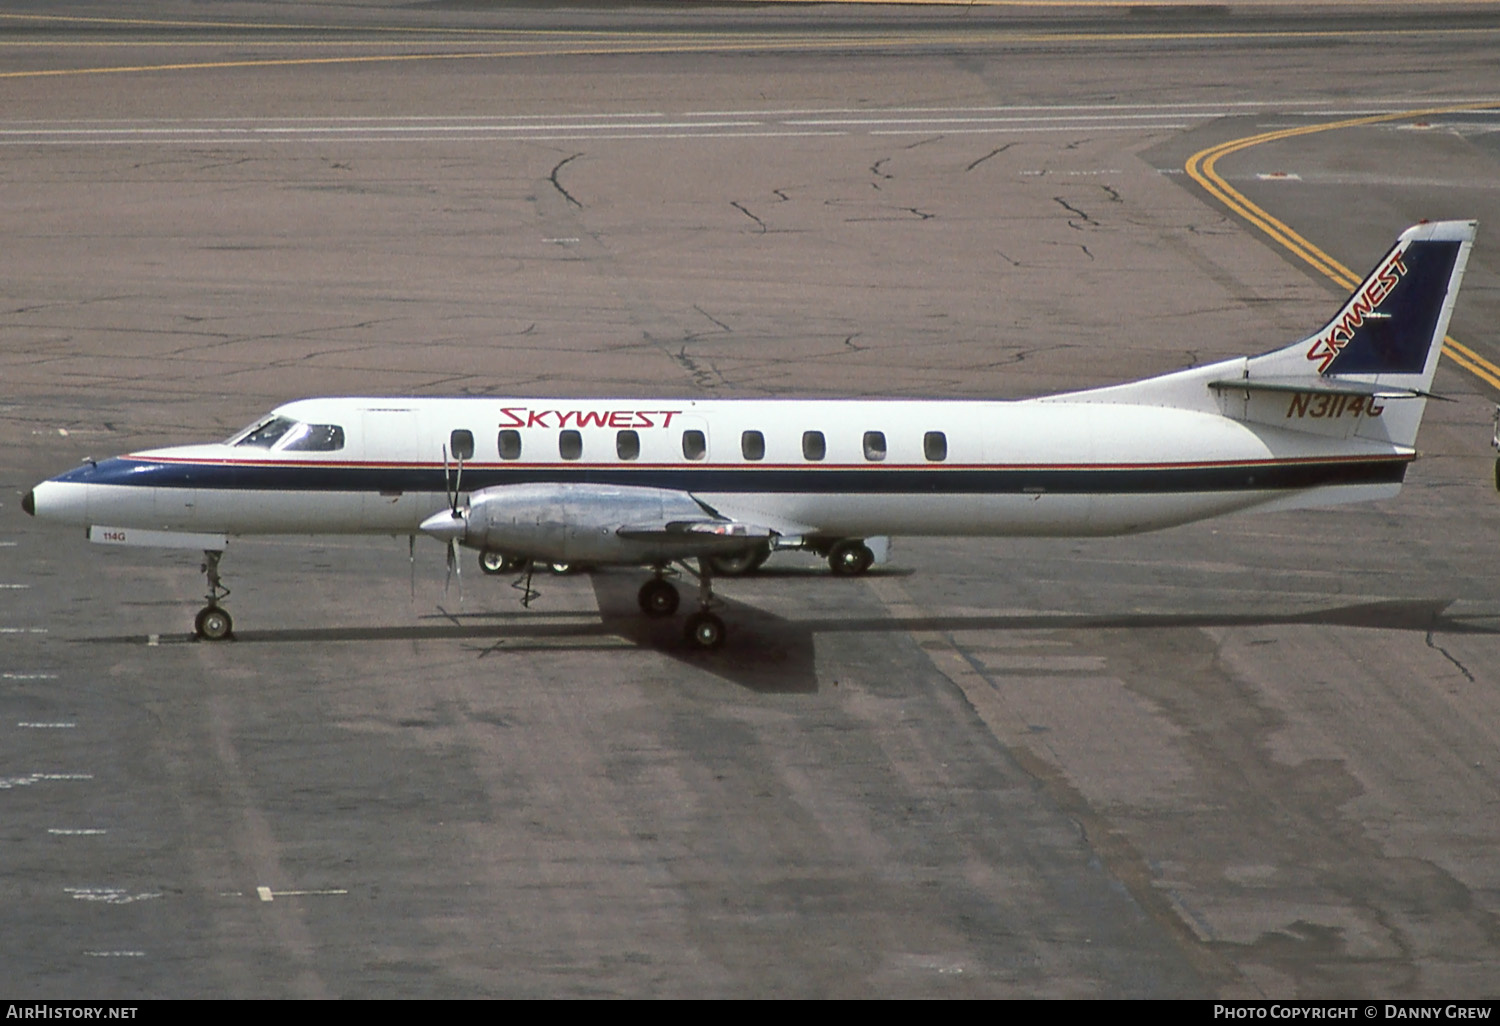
(1330, 419)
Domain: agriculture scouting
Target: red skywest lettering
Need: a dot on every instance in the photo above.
(1324, 349)
(1350, 322)
(524, 416)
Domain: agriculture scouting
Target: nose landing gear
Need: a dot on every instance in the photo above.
(213, 622)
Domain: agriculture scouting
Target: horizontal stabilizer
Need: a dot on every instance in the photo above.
(1321, 386)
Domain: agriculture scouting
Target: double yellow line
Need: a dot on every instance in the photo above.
(1202, 168)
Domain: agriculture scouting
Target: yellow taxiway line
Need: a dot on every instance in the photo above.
(1202, 168)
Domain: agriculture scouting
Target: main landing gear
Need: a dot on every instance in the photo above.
(492, 562)
(213, 622)
(850, 557)
(659, 597)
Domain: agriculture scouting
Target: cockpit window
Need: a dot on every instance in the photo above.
(288, 435)
(313, 438)
(263, 433)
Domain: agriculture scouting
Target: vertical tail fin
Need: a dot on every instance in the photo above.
(1395, 321)
(1386, 339)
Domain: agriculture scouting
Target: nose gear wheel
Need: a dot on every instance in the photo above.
(213, 622)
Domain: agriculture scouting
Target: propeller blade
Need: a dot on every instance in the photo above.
(452, 495)
(455, 570)
(458, 482)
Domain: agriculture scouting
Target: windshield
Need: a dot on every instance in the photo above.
(313, 438)
(287, 435)
(263, 433)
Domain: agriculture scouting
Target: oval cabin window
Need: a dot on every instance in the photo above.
(813, 445)
(753, 445)
(510, 445)
(935, 446)
(627, 445)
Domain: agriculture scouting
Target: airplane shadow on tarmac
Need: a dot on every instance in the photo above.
(773, 654)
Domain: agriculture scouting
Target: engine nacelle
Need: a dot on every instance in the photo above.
(598, 523)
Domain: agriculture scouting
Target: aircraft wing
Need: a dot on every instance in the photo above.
(740, 514)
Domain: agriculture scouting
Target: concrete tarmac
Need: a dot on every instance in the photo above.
(1253, 757)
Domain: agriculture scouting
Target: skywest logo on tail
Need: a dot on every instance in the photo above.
(1364, 304)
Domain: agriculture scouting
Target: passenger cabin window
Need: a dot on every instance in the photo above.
(874, 445)
(753, 445)
(935, 446)
(510, 444)
(569, 444)
(813, 445)
(461, 444)
(694, 445)
(627, 445)
(266, 433)
(314, 438)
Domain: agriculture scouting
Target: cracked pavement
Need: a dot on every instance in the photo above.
(1247, 758)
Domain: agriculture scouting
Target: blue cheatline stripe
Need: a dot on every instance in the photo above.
(774, 480)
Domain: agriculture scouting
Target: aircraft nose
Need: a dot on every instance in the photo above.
(28, 503)
(446, 526)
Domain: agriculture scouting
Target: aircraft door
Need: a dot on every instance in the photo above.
(395, 493)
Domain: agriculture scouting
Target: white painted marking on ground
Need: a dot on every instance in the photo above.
(28, 676)
(15, 587)
(108, 895)
(1072, 119)
(23, 630)
(266, 894)
(1046, 128)
(46, 726)
(153, 640)
(6, 783)
(1279, 176)
(79, 832)
(114, 954)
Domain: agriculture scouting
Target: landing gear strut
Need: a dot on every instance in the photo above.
(703, 628)
(659, 597)
(213, 622)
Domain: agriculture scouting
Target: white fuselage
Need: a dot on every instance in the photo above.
(1070, 465)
